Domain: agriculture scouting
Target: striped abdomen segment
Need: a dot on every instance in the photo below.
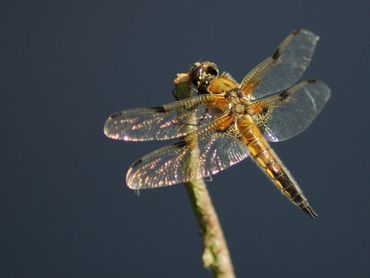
(266, 158)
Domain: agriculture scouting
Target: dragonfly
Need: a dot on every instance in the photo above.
(227, 121)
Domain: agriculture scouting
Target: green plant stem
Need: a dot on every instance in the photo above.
(216, 255)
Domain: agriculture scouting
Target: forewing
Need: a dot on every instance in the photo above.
(283, 68)
(202, 153)
(290, 112)
(163, 122)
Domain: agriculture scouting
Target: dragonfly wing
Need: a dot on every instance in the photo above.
(283, 68)
(290, 112)
(210, 150)
(163, 122)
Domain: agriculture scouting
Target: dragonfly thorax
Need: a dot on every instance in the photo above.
(237, 103)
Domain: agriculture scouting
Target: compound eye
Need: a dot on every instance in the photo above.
(212, 71)
(195, 65)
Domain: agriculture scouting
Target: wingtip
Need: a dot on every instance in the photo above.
(106, 128)
(307, 32)
(106, 131)
(114, 136)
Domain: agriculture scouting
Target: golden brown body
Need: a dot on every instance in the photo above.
(252, 137)
(227, 121)
(265, 157)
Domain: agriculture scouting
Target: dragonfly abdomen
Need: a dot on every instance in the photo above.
(261, 152)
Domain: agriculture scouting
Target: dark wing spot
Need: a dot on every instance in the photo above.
(159, 109)
(180, 144)
(219, 130)
(284, 94)
(296, 32)
(311, 81)
(116, 115)
(265, 110)
(136, 163)
(277, 54)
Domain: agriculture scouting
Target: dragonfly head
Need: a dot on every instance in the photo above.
(202, 72)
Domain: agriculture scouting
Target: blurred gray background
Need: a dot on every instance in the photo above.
(65, 210)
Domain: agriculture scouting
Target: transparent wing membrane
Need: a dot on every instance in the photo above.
(283, 68)
(290, 112)
(217, 150)
(163, 122)
(224, 122)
